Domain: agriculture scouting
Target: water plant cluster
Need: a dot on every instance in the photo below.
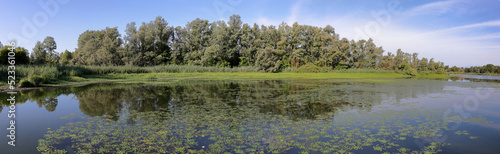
(213, 128)
(249, 116)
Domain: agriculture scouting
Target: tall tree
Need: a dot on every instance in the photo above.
(248, 45)
(50, 45)
(39, 54)
(99, 47)
(180, 49)
(150, 45)
(422, 66)
(268, 60)
(234, 33)
(197, 36)
(66, 57)
(131, 55)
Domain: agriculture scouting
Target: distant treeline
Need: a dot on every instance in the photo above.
(486, 69)
(229, 43)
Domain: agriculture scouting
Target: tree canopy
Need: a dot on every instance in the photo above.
(230, 43)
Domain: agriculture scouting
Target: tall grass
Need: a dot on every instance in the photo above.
(50, 74)
(55, 72)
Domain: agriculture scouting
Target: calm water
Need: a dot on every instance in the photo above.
(459, 115)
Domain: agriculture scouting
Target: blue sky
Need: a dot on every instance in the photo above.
(457, 32)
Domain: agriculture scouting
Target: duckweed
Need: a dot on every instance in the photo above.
(214, 128)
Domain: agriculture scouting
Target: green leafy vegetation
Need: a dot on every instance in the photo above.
(488, 69)
(248, 116)
(66, 74)
(242, 129)
(230, 43)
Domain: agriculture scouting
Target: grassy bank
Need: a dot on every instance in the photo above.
(61, 75)
(220, 76)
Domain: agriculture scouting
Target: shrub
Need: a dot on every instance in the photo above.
(289, 69)
(36, 80)
(309, 68)
(25, 83)
(411, 71)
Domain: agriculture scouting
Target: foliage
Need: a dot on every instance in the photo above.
(36, 80)
(411, 71)
(148, 45)
(66, 57)
(44, 52)
(243, 129)
(288, 116)
(21, 55)
(309, 68)
(267, 60)
(486, 69)
(230, 43)
(25, 83)
(98, 47)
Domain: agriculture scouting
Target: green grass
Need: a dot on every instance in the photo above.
(64, 74)
(373, 77)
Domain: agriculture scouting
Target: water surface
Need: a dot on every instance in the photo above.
(252, 116)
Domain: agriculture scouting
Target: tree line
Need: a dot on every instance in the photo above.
(229, 43)
(487, 69)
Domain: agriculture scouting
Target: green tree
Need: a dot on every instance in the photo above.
(454, 69)
(267, 60)
(66, 57)
(39, 54)
(422, 66)
(233, 46)
(197, 37)
(149, 45)
(21, 55)
(248, 45)
(180, 47)
(50, 46)
(99, 47)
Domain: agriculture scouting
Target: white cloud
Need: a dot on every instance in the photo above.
(484, 37)
(295, 11)
(458, 29)
(435, 8)
(452, 45)
(462, 45)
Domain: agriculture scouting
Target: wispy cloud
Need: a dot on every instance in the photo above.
(295, 11)
(463, 45)
(495, 23)
(434, 8)
(484, 37)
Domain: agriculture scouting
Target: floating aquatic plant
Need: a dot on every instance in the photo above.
(219, 129)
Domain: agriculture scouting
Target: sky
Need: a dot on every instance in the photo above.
(458, 32)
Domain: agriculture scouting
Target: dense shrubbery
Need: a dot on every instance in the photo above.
(46, 74)
(309, 68)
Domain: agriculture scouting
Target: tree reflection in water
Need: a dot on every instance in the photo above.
(244, 116)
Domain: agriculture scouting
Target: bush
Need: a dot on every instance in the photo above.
(289, 69)
(25, 83)
(411, 71)
(36, 80)
(309, 68)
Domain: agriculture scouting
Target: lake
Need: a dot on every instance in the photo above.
(456, 115)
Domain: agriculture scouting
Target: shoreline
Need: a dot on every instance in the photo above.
(151, 77)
